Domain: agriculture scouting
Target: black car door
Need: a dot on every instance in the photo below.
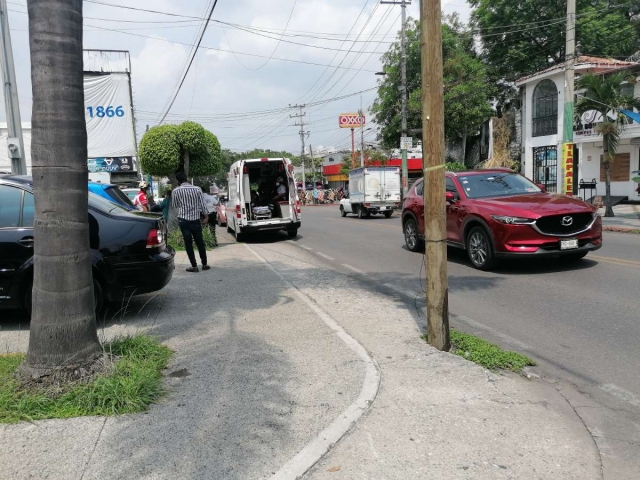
(16, 235)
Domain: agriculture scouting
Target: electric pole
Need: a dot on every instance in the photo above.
(10, 91)
(570, 58)
(302, 133)
(361, 114)
(313, 165)
(435, 219)
(403, 90)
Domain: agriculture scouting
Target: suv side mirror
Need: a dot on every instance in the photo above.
(541, 187)
(449, 197)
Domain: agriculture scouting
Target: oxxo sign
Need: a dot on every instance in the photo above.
(351, 120)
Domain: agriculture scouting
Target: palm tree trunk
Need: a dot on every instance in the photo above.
(608, 211)
(63, 323)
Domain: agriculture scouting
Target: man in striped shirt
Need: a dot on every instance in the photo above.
(188, 201)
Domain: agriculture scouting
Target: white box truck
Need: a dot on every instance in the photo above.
(372, 190)
(257, 202)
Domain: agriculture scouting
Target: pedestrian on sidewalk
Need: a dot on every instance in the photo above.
(315, 195)
(164, 206)
(141, 200)
(188, 201)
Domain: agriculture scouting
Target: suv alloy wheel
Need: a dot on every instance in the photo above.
(479, 249)
(411, 238)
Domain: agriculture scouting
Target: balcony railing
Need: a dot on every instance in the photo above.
(545, 125)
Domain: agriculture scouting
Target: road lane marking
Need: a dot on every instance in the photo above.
(324, 255)
(621, 393)
(618, 261)
(317, 448)
(306, 248)
(373, 224)
(357, 270)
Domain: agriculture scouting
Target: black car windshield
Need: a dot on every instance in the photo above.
(496, 184)
(104, 205)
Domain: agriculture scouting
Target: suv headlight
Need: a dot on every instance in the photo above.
(507, 220)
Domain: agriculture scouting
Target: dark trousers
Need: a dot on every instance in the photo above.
(192, 230)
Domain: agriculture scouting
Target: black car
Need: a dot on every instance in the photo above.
(128, 249)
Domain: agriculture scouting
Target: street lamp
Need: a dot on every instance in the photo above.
(381, 73)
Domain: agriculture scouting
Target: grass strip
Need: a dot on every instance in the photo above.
(134, 383)
(486, 354)
(208, 236)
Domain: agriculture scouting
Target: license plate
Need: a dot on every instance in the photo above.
(568, 244)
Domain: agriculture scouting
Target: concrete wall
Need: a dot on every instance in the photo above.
(590, 168)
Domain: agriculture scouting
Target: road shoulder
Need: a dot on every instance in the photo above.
(437, 415)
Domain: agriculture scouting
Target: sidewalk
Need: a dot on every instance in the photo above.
(627, 217)
(270, 368)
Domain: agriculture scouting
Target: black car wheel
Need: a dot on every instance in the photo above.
(411, 238)
(479, 249)
(360, 212)
(292, 233)
(388, 214)
(98, 297)
(239, 236)
(342, 212)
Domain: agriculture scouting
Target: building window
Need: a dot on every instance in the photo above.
(545, 109)
(545, 167)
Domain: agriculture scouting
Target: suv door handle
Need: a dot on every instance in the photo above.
(26, 242)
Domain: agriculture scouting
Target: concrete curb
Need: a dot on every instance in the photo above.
(317, 448)
(611, 228)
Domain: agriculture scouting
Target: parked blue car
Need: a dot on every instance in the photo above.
(112, 193)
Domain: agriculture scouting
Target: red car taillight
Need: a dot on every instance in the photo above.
(155, 238)
(238, 211)
(297, 206)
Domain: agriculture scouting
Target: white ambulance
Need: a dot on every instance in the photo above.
(262, 197)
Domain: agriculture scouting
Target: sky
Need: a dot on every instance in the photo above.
(243, 99)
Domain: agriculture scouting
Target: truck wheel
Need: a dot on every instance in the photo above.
(342, 212)
(388, 214)
(292, 233)
(239, 236)
(361, 213)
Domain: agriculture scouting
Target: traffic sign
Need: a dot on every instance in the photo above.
(406, 143)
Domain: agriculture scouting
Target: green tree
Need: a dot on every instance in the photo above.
(467, 89)
(603, 94)
(521, 37)
(167, 149)
(63, 324)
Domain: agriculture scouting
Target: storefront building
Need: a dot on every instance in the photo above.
(542, 124)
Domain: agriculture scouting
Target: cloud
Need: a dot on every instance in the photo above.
(219, 84)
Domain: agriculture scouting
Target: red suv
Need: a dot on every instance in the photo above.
(498, 213)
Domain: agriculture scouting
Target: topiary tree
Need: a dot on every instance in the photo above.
(159, 151)
(188, 147)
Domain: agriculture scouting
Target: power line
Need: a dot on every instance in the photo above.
(211, 48)
(275, 48)
(193, 54)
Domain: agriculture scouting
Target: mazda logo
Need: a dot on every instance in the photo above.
(567, 221)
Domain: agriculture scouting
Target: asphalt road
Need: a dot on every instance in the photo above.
(580, 322)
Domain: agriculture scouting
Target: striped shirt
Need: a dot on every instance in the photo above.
(189, 202)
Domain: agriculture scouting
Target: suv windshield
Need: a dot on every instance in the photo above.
(496, 184)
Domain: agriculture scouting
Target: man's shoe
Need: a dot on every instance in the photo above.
(206, 267)
(192, 269)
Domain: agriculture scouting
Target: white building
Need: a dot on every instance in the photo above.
(542, 125)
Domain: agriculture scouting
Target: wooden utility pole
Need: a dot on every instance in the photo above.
(435, 215)
(567, 130)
